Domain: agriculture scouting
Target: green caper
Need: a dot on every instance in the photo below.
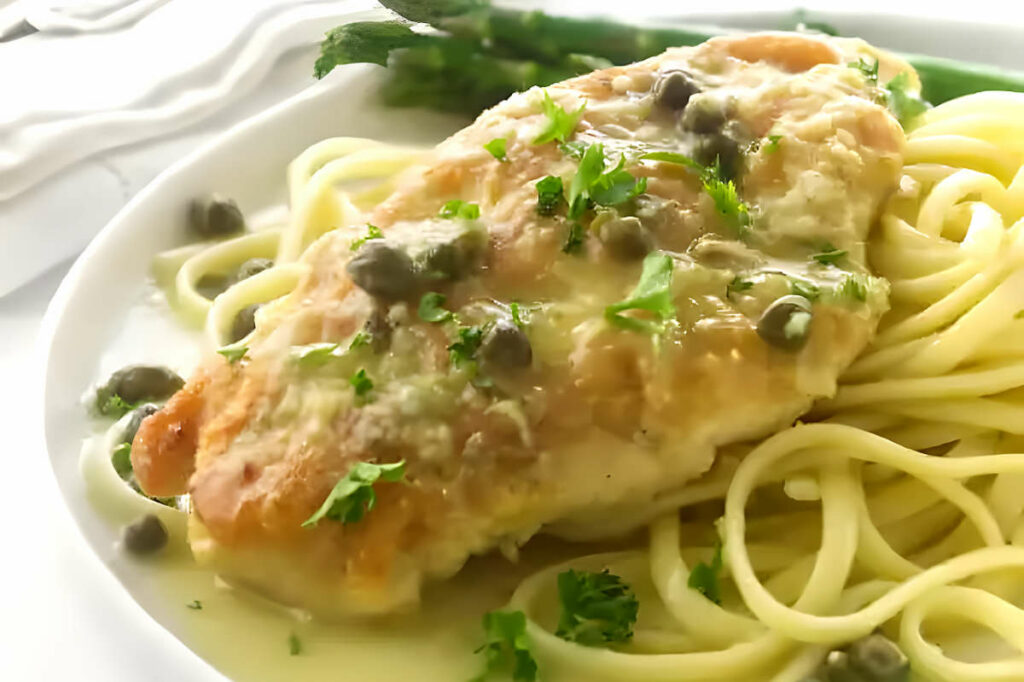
(674, 89)
(721, 148)
(506, 345)
(145, 536)
(135, 421)
(383, 271)
(210, 285)
(625, 237)
(253, 266)
(786, 323)
(244, 322)
(215, 217)
(837, 668)
(453, 259)
(137, 383)
(878, 659)
(703, 114)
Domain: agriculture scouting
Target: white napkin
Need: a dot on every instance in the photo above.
(99, 102)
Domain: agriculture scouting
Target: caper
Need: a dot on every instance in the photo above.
(244, 322)
(674, 89)
(215, 217)
(210, 285)
(878, 659)
(786, 323)
(145, 536)
(135, 421)
(453, 259)
(625, 237)
(506, 345)
(703, 114)
(143, 382)
(253, 266)
(721, 148)
(383, 270)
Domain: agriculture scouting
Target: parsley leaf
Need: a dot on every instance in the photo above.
(362, 384)
(868, 69)
(590, 169)
(904, 105)
(353, 496)
(508, 645)
(550, 195)
(497, 148)
(674, 157)
(736, 285)
(457, 208)
(596, 608)
(113, 405)
(723, 192)
(431, 309)
(314, 355)
(464, 348)
(294, 645)
(195, 605)
(121, 459)
(616, 186)
(653, 293)
(573, 149)
(359, 339)
(801, 287)
(561, 123)
(829, 255)
(772, 145)
(705, 577)
(233, 353)
(853, 287)
(372, 232)
(517, 320)
(574, 239)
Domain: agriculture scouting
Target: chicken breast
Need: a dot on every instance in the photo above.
(565, 364)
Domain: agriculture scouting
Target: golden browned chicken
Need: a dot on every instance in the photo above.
(668, 256)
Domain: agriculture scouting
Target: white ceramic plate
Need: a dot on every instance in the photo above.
(87, 332)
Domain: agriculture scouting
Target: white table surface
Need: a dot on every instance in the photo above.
(53, 589)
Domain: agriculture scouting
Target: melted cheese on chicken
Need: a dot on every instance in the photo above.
(589, 414)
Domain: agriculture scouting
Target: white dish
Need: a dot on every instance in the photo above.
(87, 318)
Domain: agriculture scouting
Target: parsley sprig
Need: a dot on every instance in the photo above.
(353, 496)
(733, 210)
(597, 608)
(496, 147)
(653, 293)
(829, 255)
(706, 577)
(372, 232)
(459, 209)
(507, 646)
(431, 308)
(550, 195)
(561, 123)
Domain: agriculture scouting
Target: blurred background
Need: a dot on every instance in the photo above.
(96, 99)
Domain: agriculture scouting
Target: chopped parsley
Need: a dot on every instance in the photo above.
(353, 496)
(513, 309)
(497, 148)
(561, 123)
(904, 105)
(574, 239)
(867, 69)
(359, 340)
(457, 208)
(802, 287)
(372, 232)
(467, 343)
(737, 285)
(721, 189)
(653, 293)
(592, 184)
(507, 646)
(674, 157)
(573, 149)
(121, 459)
(431, 309)
(233, 353)
(195, 605)
(362, 384)
(772, 145)
(294, 645)
(550, 195)
(829, 255)
(114, 406)
(705, 577)
(853, 287)
(315, 354)
(597, 608)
